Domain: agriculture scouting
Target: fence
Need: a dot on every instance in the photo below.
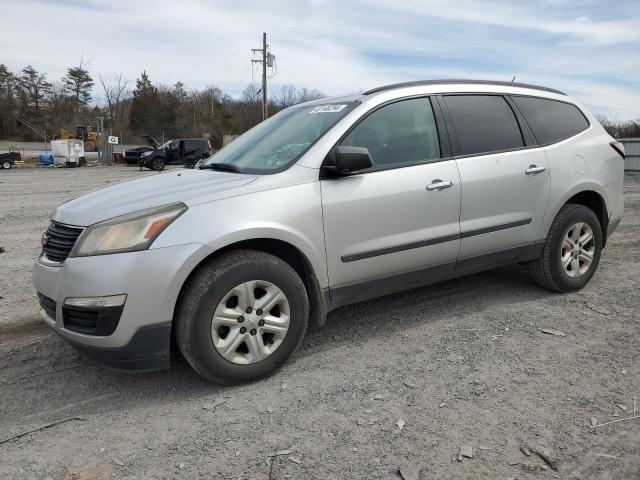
(632, 149)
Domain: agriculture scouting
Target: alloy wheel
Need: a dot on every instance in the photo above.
(577, 250)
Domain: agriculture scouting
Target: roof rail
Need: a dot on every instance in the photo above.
(461, 81)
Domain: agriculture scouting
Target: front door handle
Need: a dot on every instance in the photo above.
(534, 170)
(438, 184)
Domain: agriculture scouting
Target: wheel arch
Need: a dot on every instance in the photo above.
(288, 253)
(592, 199)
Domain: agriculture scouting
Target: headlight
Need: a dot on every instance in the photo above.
(127, 233)
(146, 154)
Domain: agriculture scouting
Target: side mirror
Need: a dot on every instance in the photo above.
(343, 160)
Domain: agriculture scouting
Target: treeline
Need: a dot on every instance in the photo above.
(621, 129)
(130, 109)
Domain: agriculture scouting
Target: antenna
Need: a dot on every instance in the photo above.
(513, 79)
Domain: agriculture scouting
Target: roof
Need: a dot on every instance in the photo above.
(460, 81)
(338, 99)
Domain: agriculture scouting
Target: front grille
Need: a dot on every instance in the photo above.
(48, 305)
(92, 321)
(59, 240)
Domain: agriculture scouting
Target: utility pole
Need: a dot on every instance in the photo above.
(267, 61)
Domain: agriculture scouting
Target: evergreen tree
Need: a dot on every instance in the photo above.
(145, 107)
(78, 83)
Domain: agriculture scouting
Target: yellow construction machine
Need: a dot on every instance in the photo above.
(86, 133)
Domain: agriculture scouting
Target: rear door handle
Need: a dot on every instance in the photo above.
(534, 170)
(439, 185)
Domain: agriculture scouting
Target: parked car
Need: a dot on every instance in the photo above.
(180, 151)
(327, 203)
(132, 156)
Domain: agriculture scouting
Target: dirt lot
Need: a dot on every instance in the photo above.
(406, 380)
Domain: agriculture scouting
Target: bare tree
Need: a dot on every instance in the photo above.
(116, 94)
(62, 108)
(620, 129)
(305, 95)
(34, 89)
(288, 96)
(251, 92)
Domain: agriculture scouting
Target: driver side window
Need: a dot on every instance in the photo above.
(400, 133)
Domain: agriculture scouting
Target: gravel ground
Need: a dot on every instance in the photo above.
(402, 381)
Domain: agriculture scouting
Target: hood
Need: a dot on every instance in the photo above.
(152, 191)
(139, 150)
(152, 141)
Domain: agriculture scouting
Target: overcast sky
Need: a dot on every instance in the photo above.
(590, 49)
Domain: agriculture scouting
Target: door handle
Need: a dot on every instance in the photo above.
(439, 185)
(534, 170)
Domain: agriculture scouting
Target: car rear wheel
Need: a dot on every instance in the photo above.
(241, 317)
(571, 252)
(6, 164)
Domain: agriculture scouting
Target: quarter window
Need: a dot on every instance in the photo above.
(551, 120)
(484, 123)
(399, 133)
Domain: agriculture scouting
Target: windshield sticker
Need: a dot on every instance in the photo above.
(328, 108)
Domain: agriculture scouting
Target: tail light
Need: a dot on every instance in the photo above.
(618, 147)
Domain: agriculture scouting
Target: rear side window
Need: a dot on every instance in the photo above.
(484, 123)
(550, 120)
(399, 133)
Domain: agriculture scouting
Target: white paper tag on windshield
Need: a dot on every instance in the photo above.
(328, 108)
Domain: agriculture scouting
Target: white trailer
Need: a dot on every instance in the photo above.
(67, 153)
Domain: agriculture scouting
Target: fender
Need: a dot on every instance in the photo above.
(553, 209)
(317, 303)
(276, 232)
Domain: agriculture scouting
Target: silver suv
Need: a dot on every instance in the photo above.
(327, 203)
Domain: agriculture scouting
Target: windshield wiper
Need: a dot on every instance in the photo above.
(221, 167)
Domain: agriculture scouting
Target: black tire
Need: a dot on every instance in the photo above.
(6, 165)
(157, 164)
(547, 271)
(204, 291)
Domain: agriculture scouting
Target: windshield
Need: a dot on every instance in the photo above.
(279, 141)
(170, 144)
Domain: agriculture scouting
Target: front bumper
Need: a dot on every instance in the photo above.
(151, 279)
(147, 351)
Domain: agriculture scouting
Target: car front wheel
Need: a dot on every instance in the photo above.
(157, 164)
(241, 317)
